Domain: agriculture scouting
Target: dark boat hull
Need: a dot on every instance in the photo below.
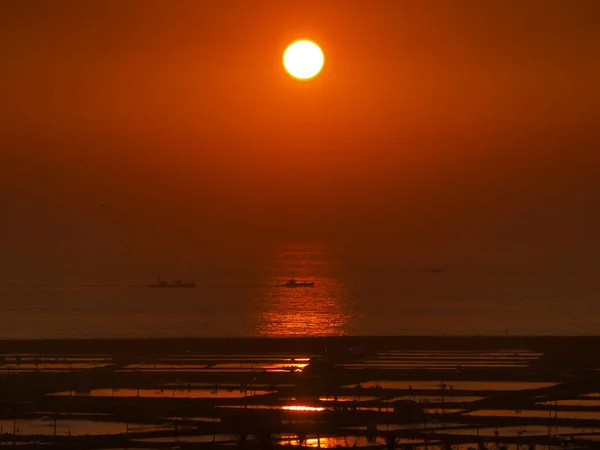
(297, 285)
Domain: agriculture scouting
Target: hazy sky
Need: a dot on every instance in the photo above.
(460, 132)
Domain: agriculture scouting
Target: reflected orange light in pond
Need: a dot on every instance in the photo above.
(303, 408)
(301, 311)
(296, 367)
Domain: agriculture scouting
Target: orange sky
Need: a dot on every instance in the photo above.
(438, 128)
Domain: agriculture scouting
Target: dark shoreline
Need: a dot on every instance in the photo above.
(576, 344)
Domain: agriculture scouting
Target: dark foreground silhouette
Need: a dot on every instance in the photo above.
(380, 392)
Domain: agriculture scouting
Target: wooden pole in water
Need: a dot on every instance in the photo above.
(549, 426)
(443, 386)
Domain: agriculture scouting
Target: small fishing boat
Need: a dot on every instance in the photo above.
(293, 283)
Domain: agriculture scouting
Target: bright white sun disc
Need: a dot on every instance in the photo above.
(303, 59)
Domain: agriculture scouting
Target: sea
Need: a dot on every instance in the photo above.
(345, 300)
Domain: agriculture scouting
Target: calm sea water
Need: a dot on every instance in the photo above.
(345, 300)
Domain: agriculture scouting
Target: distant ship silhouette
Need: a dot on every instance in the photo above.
(173, 284)
(293, 283)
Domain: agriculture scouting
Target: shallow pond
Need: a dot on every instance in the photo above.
(168, 393)
(595, 415)
(456, 385)
(45, 426)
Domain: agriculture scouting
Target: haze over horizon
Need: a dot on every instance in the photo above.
(460, 134)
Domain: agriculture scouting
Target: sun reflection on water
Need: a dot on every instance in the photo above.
(302, 408)
(302, 311)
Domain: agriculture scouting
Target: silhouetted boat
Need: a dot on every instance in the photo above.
(293, 283)
(173, 284)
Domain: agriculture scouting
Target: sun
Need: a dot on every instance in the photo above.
(303, 59)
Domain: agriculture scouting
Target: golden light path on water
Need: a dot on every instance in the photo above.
(302, 408)
(302, 311)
